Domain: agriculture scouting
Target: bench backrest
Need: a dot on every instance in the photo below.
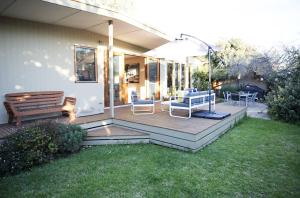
(29, 100)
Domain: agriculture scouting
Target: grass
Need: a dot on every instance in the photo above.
(258, 158)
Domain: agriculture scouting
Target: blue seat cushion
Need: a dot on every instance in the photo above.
(197, 101)
(190, 90)
(207, 98)
(134, 98)
(179, 104)
(143, 102)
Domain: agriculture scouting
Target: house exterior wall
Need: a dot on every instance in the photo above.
(40, 57)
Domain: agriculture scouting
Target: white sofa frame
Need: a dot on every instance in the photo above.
(191, 106)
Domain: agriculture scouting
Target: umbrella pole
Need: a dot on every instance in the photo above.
(209, 81)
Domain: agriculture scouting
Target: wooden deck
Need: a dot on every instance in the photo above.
(163, 119)
(186, 134)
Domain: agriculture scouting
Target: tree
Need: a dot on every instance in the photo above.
(284, 98)
(236, 55)
(265, 63)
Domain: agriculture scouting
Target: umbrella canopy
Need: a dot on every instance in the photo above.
(178, 50)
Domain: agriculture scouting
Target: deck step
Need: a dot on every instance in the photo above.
(96, 124)
(115, 135)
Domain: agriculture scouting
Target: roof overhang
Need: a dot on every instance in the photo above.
(78, 14)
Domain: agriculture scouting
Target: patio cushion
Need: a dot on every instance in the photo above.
(180, 96)
(134, 97)
(179, 104)
(207, 98)
(143, 102)
(190, 90)
(191, 94)
(197, 101)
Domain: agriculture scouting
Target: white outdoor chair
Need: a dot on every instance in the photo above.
(138, 103)
(227, 96)
(253, 98)
(234, 98)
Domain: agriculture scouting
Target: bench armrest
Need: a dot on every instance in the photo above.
(10, 108)
(69, 100)
(69, 104)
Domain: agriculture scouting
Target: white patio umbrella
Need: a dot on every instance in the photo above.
(186, 46)
(178, 50)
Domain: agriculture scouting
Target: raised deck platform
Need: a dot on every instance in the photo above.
(159, 128)
(185, 134)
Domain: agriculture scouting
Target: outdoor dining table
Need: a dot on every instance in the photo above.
(241, 95)
(246, 96)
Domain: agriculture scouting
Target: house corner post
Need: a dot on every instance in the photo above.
(111, 67)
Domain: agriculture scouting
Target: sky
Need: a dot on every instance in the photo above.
(262, 23)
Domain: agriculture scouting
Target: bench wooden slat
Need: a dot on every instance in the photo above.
(24, 98)
(37, 104)
(22, 108)
(20, 111)
(34, 93)
(41, 111)
(16, 103)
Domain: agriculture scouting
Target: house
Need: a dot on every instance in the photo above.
(73, 46)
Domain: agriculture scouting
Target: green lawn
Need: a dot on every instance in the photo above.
(258, 158)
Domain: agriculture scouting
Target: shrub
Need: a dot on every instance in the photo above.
(38, 144)
(229, 88)
(70, 138)
(200, 80)
(284, 98)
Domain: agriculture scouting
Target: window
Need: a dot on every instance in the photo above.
(153, 71)
(176, 75)
(85, 64)
(170, 74)
(182, 76)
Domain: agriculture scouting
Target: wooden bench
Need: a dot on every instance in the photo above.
(23, 104)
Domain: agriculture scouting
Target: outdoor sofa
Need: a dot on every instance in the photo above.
(190, 101)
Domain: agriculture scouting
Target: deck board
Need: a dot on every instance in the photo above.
(109, 131)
